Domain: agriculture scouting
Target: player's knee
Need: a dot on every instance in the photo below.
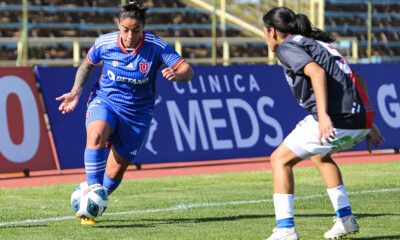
(275, 159)
(95, 138)
(280, 160)
(115, 173)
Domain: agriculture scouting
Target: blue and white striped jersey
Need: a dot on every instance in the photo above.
(128, 78)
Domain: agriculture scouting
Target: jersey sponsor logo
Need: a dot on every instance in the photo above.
(113, 77)
(109, 46)
(144, 67)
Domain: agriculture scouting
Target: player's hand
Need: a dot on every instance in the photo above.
(170, 74)
(326, 130)
(69, 102)
(374, 136)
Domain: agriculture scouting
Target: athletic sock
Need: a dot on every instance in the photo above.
(283, 204)
(109, 184)
(340, 201)
(95, 165)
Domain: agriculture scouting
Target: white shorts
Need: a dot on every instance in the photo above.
(303, 140)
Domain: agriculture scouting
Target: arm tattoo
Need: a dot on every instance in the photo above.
(82, 76)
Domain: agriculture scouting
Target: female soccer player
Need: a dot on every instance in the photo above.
(341, 116)
(121, 105)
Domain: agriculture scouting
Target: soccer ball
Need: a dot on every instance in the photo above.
(89, 200)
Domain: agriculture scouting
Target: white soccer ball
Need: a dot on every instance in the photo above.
(89, 200)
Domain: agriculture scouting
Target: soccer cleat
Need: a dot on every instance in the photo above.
(284, 234)
(87, 221)
(342, 227)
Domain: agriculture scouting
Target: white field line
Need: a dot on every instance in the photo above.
(191, 205)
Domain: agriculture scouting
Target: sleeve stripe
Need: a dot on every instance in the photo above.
(90, 61)
(177, 64)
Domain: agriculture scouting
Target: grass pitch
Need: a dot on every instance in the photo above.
(215, 206)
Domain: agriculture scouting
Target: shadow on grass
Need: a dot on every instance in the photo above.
(367, 215)
(128, 223)
(378, 238)
(155, 222)
(125, 225)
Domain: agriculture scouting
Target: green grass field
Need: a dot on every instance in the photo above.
(215, 206)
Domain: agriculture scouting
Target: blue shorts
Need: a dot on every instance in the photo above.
(127, 136)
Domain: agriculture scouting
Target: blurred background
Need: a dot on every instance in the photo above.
(204, 32)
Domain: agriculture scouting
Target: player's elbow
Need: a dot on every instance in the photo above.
(188, 75)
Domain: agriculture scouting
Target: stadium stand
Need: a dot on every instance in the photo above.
(345, 18)
(87, 19)
(173, 18)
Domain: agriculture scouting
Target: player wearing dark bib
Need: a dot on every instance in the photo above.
(340, 117)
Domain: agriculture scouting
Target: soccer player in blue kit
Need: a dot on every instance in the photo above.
(341, 116)
(121, 105)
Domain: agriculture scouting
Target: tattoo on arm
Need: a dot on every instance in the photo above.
(82, 76)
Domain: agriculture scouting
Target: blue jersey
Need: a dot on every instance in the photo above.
(128, 78)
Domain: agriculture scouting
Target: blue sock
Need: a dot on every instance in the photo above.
(95, 164)
(343, 212)
(109, 184)
(285, 223)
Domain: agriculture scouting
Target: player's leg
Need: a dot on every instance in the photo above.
(126, 141)
(282, 162)
(345, 222)
(98, 131)
(116, 167)
(328, 169)
(100, 123)
(300, 144)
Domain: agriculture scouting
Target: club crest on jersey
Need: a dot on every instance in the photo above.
(115, 63)
(144, 67)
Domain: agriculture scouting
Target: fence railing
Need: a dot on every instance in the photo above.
(350, 44)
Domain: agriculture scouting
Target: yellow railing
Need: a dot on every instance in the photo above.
(176, 42)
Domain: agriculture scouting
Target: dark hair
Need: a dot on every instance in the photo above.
(133, 10)
(285, 21)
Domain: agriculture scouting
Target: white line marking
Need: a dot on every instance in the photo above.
(192, 205)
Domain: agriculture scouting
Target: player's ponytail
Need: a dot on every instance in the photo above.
(133, 10)
(287, 22)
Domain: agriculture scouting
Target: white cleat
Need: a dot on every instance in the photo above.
(342, 227)
(284, 234)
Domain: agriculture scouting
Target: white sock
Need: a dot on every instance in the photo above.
(283, 204)
(338, 197)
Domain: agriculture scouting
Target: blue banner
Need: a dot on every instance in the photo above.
(384, 92)
(223, 113)
(68, 130)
